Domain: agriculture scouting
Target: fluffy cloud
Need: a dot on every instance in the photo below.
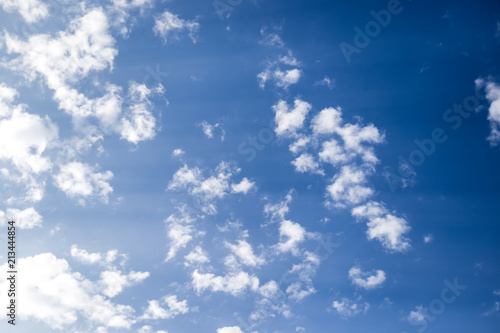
(79, 180)
(62, 60)
(280, 209)
(349, 308)
(86, 46)
(349, 187)
(208, 190)
(243, 250)
(306, 163)
(417, 316)
(366, 280)
(305, 271)
(180, 230)
(113, 282)
(493, 96)
(233, 283)
(209, 129)
(287, 78)
(327, 121)
(197, 256)
(243, 187)
(24, 137)
(31, 10)
(85, 257)
(172, 309)
(288, 120)
(233, 329)
(52, 293)
(390, 230)
(291, 235)
(25, 219)
(168, 25)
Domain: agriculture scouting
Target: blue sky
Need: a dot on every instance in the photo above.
(251, 166)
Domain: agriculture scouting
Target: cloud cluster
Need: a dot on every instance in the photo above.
(330, 142)
(493, 96)
(168, 25)
(51, 292)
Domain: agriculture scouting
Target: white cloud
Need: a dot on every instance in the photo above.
(306, 163)
(178, 152)
(428, 238)
(233, 329)
(269, 290)
(417, 316)
(25, 219)
(280, 209)
(282, 79)
(291, 235)
(180, 231)
(148, 329)
(329, 83)
(207, 190)
(300, 144)
(287, 78)
(79, 180)
(113, 282)
(62, 60)
(24, 137)
(53, 294)
(31, 10)
(288, 120)
(493, 95)
(209, 129)
(305, 271)
(366, 280)
(243, 250)
(86, 46)
(496, 292)
(243, 187)
(233, 283)
(349, 186)
(119, 12)
(85, 257)
(348, 308)
(197, 256)
(168, 25)
(327, 121)
(384, 226)
(173, 308)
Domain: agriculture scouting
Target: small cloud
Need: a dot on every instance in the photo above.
(178, 152)
(168, 25)
(387, 303)
(327, 82)
(428, 238)
(347, 308)
(209, 129)
(366, 280)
